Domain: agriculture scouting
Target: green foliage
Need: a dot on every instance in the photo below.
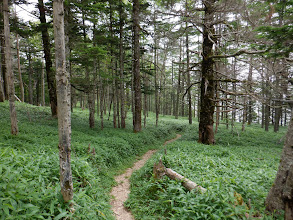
(245, 164)
(280, 36)
(29, 165)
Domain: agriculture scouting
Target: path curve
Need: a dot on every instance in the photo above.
(121, 191)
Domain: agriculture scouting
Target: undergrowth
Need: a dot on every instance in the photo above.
(241, 166)
(29, 164)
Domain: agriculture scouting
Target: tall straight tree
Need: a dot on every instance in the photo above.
(63, 98)
(9, 72)
(19, 71)
(187, 70)
(121, 62)
(136, 70)
(4, 91)
(48, 60)
(208, 84)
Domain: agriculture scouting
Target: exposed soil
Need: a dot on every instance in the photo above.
(121, 191)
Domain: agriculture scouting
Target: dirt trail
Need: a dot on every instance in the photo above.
(121, 191)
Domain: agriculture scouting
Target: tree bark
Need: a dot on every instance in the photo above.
(160, 170)
(188, 73)
(178, 83)
(30, 75)
(280, 196)
(4, 90)
(63, 97)
(47, 51)
(136, 70)
(207, 96)
(19, 71)
(121, 64)
(250, 103)
(43, 86)
(9, 71)
(2, 95)
(102, 103)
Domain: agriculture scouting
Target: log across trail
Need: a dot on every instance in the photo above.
(121, 191)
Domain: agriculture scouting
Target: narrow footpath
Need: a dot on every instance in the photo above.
(121, 191)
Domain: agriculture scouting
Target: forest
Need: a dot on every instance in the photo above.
(184, 105)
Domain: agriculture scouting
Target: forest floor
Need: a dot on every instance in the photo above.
(121, 191)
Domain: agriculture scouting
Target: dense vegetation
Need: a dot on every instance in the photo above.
(238, 167)
(29, 168)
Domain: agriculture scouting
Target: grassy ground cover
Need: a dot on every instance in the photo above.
(29, 162)
(237, 167)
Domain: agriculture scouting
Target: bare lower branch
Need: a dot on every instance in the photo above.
(238, 53)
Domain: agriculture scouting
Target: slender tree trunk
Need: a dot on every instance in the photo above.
(182, 89)
(2, 93)
(63, 97)
(47, 51)
(19, 71)
(173, 98)
(267, 105)
(250, 103)
(9, 71)
(30, 75)
(121, 64)
(91, 106)
(2, 96)
(136, 71)
(3, 65)
(37, 88)
(217, 109)
(145, 99)
(178, 82)
(278, 104)
(207, 104)
(157, 104)
(43, 85)
(244, 116)
(188, 76)
(102, 103)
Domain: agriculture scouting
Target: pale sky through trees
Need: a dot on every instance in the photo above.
(24, 11)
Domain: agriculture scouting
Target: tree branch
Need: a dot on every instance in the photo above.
(238, 53)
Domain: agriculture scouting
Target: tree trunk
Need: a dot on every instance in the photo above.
(19, 71)
(102, 103)
(145, 106)
(121, 64)
(178, 83)
(217, 108)
(47, 51)
(30, 74)
(91, 105)
(3, 65)
(2, 95)
(136, 70)
(250, 103)
(63, 97)
(43, 85)
(9, 71)
(207, 96)
(281, 193)
(244, 113)
(160, 170)
(188, 75)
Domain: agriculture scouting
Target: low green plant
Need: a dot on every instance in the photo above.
(29, 164)
(242, 165)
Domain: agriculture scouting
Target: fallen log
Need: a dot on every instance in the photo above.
(160, 170)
